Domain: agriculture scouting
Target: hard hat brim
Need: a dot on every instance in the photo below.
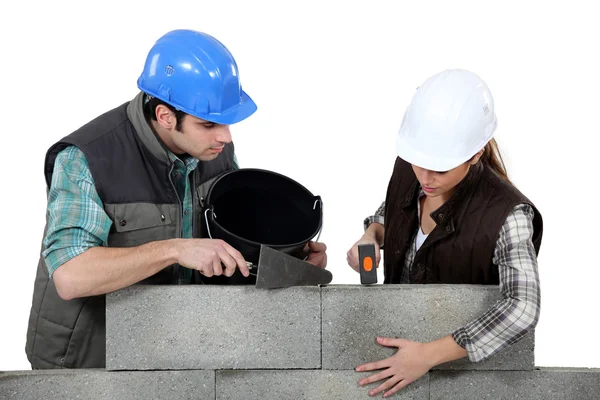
(245, 108)
(233, 115)
(433, 163)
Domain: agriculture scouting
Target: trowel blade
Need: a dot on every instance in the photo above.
(279, 270)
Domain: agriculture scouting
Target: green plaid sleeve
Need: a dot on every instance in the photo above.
(76, 216)
(236, 165)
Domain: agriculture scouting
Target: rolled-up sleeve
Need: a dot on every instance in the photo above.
(76, 216)
(518, 312)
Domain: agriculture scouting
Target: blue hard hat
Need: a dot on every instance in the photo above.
(195, 73)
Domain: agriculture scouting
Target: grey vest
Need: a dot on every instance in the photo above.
(132, 174)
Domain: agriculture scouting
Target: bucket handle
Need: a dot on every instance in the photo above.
(318, 200)
(206, 220)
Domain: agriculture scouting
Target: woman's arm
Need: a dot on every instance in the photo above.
(518, 312)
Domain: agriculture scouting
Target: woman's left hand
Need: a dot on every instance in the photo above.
(401, 369)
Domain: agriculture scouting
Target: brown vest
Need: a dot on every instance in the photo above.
(461, 247)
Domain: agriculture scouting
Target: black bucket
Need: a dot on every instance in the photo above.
(249, 207)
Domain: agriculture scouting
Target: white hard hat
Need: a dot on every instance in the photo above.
(450, 118)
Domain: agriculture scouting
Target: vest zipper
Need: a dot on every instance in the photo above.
(179, 205)
(195, 226)
(197, 195)
(177, 268)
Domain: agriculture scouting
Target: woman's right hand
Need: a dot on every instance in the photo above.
(352, 255)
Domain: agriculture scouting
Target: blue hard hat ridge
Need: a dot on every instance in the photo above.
(197, 74)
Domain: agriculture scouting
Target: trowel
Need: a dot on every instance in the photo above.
(276, 269)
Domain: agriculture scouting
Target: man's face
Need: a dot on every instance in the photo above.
(199, 138)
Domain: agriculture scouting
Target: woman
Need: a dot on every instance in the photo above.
(453, 216)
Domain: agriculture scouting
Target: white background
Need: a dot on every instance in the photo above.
(331, 81)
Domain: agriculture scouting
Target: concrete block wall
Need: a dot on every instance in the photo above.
(208, 342)
(213, 327)
(353, 316)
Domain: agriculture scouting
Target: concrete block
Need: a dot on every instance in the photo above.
(353, 316)
(213, 327)
(105, 385)
(305, 385)
(546, 384)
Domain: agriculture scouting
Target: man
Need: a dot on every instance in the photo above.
(124, 198)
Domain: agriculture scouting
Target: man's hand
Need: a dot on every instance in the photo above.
(206, 256)
(352, 255)
(401, 369)
(317, 254)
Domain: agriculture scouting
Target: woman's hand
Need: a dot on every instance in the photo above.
(411, 362)
(352, 255)
(401, 369)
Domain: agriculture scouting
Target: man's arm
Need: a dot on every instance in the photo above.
(78, 228)
(101, 270)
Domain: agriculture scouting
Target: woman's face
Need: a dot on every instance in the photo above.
(443, 183)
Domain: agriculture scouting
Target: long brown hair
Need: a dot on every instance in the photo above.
(492, 158)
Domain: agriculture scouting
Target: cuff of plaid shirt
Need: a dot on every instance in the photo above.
(461, 338)
(58, 257)
(371, 219)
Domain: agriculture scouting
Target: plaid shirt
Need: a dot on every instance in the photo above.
(76, 216)
(518, 312)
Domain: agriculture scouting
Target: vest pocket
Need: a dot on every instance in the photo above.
(135, 224)
(87, 345)
(51, 342)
